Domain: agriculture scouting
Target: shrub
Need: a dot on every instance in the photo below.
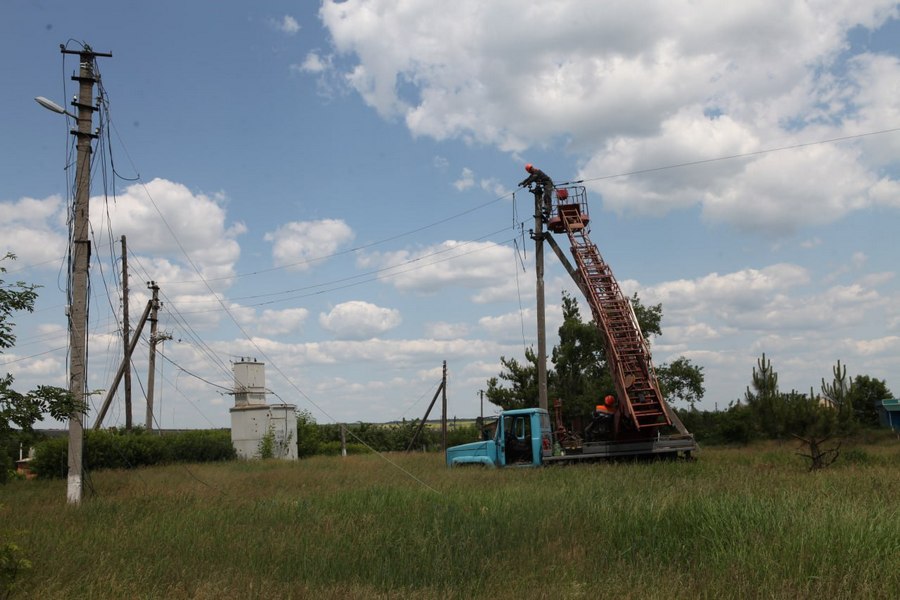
(334, 448)
(117, 449)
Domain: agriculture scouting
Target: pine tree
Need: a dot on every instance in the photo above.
(839, 394)
(765, 401)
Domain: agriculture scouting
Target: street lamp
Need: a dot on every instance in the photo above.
(51, 105)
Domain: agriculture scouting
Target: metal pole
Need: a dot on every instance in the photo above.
(539, 292)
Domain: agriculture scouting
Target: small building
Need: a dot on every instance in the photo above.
(259, 428)
(889, 413)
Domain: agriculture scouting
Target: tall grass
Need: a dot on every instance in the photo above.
(735, 524)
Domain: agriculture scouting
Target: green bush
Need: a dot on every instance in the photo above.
(334, 448)
(118, 449)
(6, 468)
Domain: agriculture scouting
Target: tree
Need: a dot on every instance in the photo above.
(814, 424)
(19, 412)
(838, 393)
(522, 390)
(681, 380)
(580, 374)
(764, 401)
(649, 318)
(865, 394)
(308, 436)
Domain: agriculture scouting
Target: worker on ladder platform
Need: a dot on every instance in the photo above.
(602, 420)
(543, 181)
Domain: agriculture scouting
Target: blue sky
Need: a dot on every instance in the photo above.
(341, 177)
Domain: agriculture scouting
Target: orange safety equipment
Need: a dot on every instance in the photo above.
(562, 194)
(529, 167)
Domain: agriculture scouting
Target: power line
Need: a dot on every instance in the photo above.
(734, 156)
(15, 360)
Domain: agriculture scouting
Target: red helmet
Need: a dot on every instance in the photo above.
(609, 400)
(529, 167)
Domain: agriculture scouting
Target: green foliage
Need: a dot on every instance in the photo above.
(12, 565)
(765, 401)
(681, 380)
(120, 449)
(649, 318)
(522, 389)
(391, 437)
(735, 425)
(267, 445)
(14, 297)
(19, 412)
(580, 373)
(308, 436)
(839, 394)
(865, 394)
(333, 448)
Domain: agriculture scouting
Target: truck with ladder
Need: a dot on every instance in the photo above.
(641, 423)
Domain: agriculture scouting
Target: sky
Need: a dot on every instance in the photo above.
(331, 188)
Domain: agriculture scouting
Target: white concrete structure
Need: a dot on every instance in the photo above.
(255, 425)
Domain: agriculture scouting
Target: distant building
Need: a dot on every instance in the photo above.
(256, 424)
(889, 413)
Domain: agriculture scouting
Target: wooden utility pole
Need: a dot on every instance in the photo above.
(126, 364)
(151, 375)
(80, 255)
(125, 336)
(538, 237)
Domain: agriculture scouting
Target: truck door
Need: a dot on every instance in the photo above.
(517, 442)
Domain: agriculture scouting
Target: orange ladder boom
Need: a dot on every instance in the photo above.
(627, 351)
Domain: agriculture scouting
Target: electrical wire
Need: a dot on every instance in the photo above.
(734, 156)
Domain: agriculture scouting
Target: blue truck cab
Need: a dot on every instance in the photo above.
(521, 438)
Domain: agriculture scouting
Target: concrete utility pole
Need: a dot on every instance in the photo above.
(80, 251)
(538, 237)
(125, 336)
(154, 311)
(444, 410)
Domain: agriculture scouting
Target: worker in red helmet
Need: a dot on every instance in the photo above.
(543, 181)
(608, 406)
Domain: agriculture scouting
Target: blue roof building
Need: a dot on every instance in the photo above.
(889, 413)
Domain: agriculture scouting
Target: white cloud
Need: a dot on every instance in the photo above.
(300, 245)
(465, 181)
(313, 63)
(645, 85)
(163, 218)
(358, 320)
(446, 331)
(279, 322)
(483, 266)
(287, 24)
(29, 228)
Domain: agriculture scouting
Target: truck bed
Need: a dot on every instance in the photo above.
(663, 446)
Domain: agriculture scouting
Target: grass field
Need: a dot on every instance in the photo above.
(737, 523)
